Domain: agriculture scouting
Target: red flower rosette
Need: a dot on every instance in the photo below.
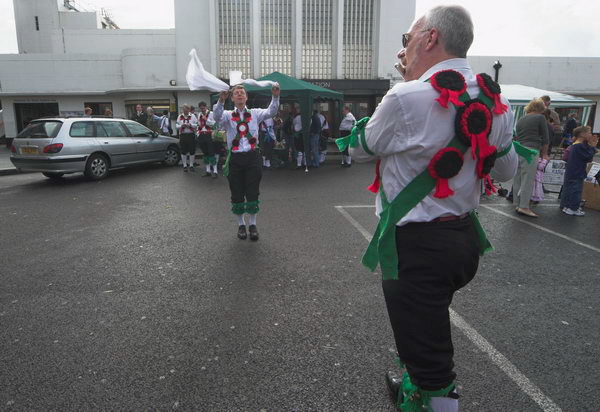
(242, 128)
(235, 115)
(235, 144)
(445, 165)
(252, 142)
(483, 169)
(473, 124)
(450, 84)
(247, 116)
(492, 90)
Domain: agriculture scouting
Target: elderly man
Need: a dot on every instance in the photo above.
(432, 133)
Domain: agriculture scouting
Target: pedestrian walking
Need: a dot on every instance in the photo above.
(532, 132)
(244, 160)
(315, 137)
(346, 126)
(165, 124)
(436, 145)
(581, 152)
(186, 126)
(206, 123)
(299, 141)
(267, 141)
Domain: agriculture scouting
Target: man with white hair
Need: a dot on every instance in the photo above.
(186, 125)
(436, 137)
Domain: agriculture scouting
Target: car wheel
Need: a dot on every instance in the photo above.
(171, 156)
(96, 167)
(50, 175)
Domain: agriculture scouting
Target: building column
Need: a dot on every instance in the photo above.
(297, 40)
(213, 37)
(255, 38)
(338, 39)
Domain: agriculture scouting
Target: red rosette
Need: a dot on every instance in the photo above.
(472, 126)
(247, 116)
(483, 169)
(235, 144)
(492, 90)
(450, 84)
(252, 140)
(242, 128)
(235, 115)
(443, 166)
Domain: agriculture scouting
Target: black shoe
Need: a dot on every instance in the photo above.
(192, 169)
(214, 175)
(206, 174)
(394, 384)
(253, 233)
(185, 169)
(242, 232)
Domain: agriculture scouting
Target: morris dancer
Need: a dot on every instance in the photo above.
(244, 163)
(186, 125)
(435, 143)
(205, 128)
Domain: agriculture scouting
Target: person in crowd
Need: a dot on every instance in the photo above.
(206, 123)
(556, 135)
(570, 125)
(108, 113)
(88, 112)
(244, 167)
(267, 141)
(538, 185)
(532, 132)
(299, 140)
(165, 124)
(581, 152)
(346, 126)
(287, 132)
(139, 115)
(550, 123)
(152, 120)
(430, 250)
(324, 136)
(314, 158)
(186, 125)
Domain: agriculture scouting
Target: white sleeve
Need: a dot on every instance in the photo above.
(210, 121)
(194, 122)
(269, 112)
(218, 111)
(178, 123)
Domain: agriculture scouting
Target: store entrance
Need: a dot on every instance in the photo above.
(26, 112)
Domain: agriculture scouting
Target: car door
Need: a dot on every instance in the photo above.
(114, 140)
(149, 148)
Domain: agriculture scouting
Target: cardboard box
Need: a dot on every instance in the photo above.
(591, 188)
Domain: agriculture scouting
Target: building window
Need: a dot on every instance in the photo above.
(100, 109)
(317, 39)
(276, 36)
(37, 23)
(234, 41)
(358, 39)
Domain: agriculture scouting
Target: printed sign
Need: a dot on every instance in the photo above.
(591, 176)
(554, 173)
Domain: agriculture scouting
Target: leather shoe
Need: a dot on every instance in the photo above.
(526, 212)
(242, 232)
(394, 384)
(253, 233)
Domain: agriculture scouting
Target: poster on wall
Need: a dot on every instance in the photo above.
(593, 173)
(554, 173)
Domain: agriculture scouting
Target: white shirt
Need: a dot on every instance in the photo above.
(258, 115)
(297, 123)
(324, 124)
(347, 122)
(186, 124)
(210, 121)
(409, 127)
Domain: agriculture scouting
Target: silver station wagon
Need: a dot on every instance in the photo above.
(57, 146)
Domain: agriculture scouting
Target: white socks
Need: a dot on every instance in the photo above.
(192, 158)
(207, 168)
(184, 160)
(439, 404)
(299, 158)
(266, 162)
(349, 160)
(251, 220)
(214, 168)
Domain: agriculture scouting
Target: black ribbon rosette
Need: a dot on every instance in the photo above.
(450, 84)
(492, 90)
(443, 166)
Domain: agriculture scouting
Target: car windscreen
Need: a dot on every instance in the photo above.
(43, 129)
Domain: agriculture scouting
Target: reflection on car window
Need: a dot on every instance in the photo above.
(137, 130)
(82, 129)
(110, 129)
(46, 129)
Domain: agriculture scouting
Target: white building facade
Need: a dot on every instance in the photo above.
(69, 59)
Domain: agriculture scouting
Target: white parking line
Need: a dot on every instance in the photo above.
(552, 232)
(528, 387)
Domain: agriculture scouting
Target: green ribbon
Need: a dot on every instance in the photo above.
(210, 160)
(252, 207)
(226, 165)
(527, 153)
(357, 135)
(238, 208)
(415, 399)
(382, 248)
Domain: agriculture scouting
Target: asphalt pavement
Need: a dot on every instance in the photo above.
(134, 294)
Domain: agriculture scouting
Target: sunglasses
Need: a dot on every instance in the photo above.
(406, 37)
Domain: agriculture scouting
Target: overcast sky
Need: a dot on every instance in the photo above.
(502, 27)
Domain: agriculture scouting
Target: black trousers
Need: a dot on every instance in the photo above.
(206, 144)
(187, 143)
(435, 259)
(344, 133)
(245, 172)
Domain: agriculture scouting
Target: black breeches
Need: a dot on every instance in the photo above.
(435, 260)
(245, 172)
(206, 144)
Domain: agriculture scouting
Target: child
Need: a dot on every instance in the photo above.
(538, 188)
(582, 152)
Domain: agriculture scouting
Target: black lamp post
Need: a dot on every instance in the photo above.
(497, 66)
